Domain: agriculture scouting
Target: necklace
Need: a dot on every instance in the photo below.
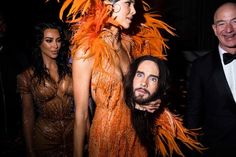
(112, 39)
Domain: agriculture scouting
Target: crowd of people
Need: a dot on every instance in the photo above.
(102, 90)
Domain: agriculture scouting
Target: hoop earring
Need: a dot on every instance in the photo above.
(116, 8)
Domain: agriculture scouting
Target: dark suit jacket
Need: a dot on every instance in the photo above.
(211, 105)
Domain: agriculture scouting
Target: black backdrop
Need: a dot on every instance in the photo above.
(192, 20)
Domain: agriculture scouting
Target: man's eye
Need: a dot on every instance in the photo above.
(220, 24)
(234, 22)
(154, 79)
(139, 74)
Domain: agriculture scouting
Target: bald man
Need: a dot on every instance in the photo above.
(212, 88)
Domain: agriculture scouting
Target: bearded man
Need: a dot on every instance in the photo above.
(159, 130)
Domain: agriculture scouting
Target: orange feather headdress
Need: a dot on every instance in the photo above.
(89, 17)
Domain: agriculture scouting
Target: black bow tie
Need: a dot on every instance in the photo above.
(228, 57)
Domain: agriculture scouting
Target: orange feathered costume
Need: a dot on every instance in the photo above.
(111, 132)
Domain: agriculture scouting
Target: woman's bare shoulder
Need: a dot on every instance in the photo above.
(82, 59)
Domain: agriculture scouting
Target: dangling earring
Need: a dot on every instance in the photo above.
(116, 8)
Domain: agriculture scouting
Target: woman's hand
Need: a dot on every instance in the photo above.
(150, 107)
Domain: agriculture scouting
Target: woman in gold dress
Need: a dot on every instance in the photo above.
(47, 96)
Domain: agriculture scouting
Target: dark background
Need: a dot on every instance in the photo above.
(191, 19)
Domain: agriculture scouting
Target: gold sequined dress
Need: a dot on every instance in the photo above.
(53, 102)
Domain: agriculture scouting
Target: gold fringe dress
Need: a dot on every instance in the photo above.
(111, 133)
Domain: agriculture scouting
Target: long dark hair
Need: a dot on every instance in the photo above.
(143, 122)
(62, 60)
(162, 80)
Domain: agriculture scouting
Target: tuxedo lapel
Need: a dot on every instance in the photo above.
(221, 83)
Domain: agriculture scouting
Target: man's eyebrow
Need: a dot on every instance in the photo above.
(140, 72)
(218, 21)
(153, 76)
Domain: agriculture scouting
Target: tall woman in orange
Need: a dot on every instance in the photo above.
(104, 43)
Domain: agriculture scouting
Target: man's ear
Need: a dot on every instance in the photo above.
(214, 28)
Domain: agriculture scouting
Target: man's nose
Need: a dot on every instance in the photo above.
(229, 27)
(143, 84)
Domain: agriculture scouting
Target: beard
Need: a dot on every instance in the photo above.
(143, 101)
(144, 122)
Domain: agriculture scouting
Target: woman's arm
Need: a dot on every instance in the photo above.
(81, 72)
(23, 88)
(28, 122)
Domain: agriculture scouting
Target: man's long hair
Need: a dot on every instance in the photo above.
(143, 122)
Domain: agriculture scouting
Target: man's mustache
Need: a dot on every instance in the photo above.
(142, 89)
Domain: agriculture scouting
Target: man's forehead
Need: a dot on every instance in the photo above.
(148, 66)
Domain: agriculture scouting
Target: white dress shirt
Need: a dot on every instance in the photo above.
(230, 72)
